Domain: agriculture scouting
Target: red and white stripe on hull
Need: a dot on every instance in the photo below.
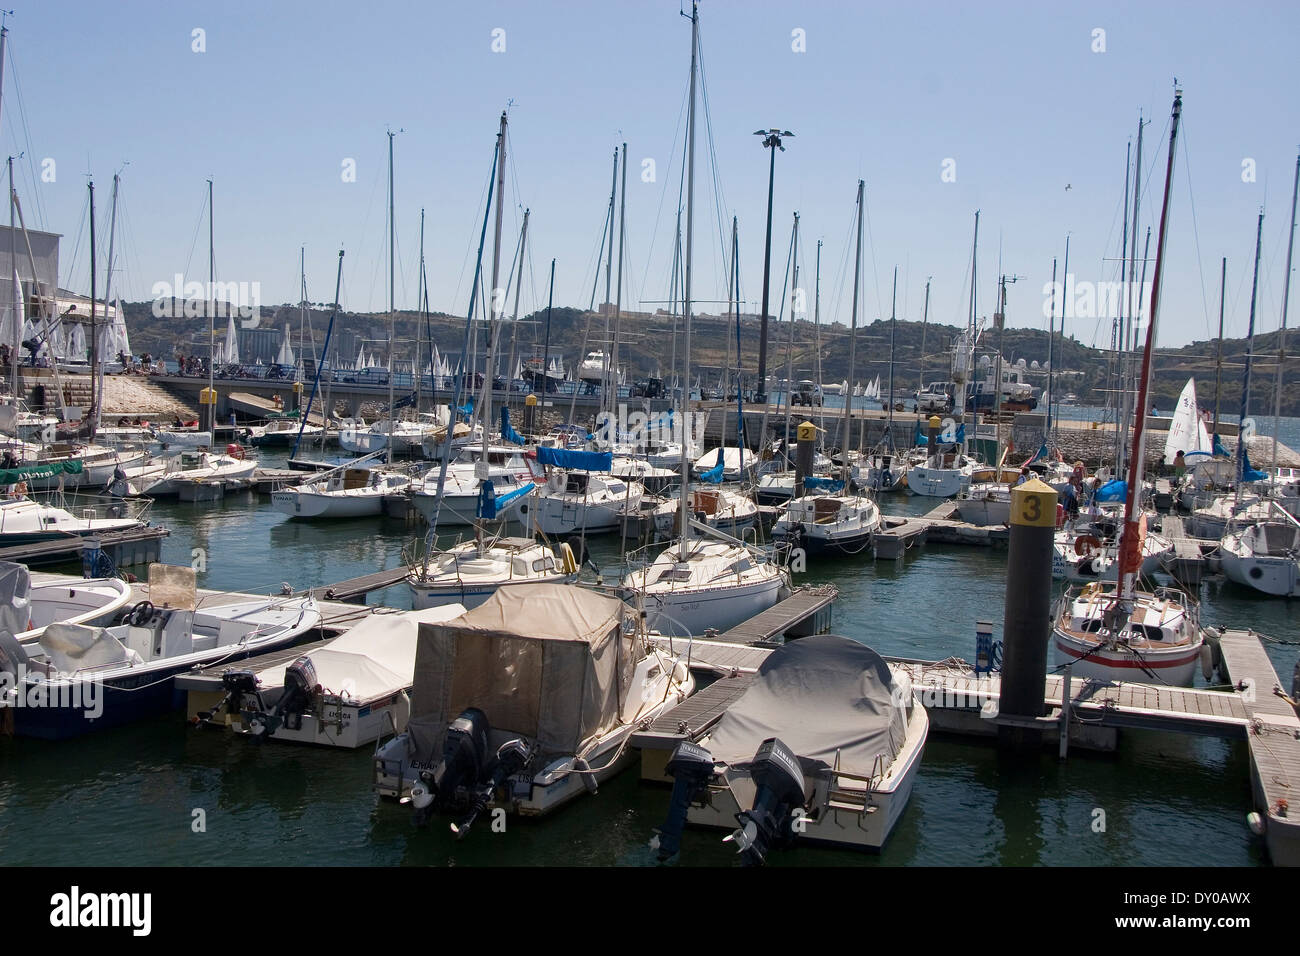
(1177, 667)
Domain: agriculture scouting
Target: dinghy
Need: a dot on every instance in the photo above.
(27, 608)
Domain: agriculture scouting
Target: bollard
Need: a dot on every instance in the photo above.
(1026, 623)
(530, 415)
(806, 437)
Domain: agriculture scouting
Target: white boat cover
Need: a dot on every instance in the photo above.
(822, 696)
(550, 662)
(375, 658)
(72, 647)
(15, 597)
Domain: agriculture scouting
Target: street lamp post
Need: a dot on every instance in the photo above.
(771, 141)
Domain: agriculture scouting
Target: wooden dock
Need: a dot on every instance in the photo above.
(897, 536)
(1274, 740)
(125, 548)
(943, 526)
(1191, 556)
(354, 590)
(806, 611)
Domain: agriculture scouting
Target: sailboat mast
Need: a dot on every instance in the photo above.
(416, 366)
(97, 376)
(1130, 542)
(13, 259)
(920, 361)
(493, 308)
(609, 275)
(1281, 339)
(853, 340)
(686, 281)
(789, 352)
(514, 320)
(733, 302)
(392, 291)
(618, 295)
(817, 329)
(546, 347)
(1051, 341)
(211, 314)
(1250, 358)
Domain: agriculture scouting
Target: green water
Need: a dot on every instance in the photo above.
(128, 796)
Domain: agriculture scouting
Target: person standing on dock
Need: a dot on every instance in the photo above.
(1180, 465)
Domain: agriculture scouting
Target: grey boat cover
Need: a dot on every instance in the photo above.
(15, 598)
(549, 662)
(820, 695)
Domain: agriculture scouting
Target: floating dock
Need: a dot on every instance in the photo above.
(1189, 559)
(125, 548)
(806, 611)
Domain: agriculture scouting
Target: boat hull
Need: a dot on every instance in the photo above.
(685, 612)
(1174, 667)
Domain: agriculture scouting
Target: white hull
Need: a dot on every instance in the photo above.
(692, 611)
(937, 482)
(359, 503)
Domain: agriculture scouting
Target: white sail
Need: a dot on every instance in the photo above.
(232, 342)
(1187, 431)
(286, 353)
(119, 325)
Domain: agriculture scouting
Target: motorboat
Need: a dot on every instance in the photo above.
(26, 521)
(27, 608)
(168, 476)
(823, 747)
(79, 678)
(525, 703)
(1264, 554)
(347, 693)
(829, 524)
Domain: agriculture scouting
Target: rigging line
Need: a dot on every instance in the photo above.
(1196, 235)
(27, 133)
(471, 245)
(719, 198)
(194, 242)
(871, 245)
(663, 194)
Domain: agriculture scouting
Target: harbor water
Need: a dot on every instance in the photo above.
(133, 795)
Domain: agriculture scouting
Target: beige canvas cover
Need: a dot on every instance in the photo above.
(550, 662)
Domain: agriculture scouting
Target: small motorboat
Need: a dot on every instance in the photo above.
(27, 609)
(348, 693)
(823, 747)
(525, 703)
(470, 573)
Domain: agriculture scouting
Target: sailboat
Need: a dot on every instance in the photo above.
(1119, 632)
(841, 522)
(699, 583)
(1187, 431)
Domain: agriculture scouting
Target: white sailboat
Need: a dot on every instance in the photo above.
(1187, 431)
(1264, 554)
(352, 491)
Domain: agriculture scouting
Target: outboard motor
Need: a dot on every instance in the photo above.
(237, 683)
(510, 758)
(781, 793)
(691, 767)
(299, 687)
(464, 753)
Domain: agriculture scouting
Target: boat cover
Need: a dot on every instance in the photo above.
(581, 460)
(374, 658)
(15, 598)
(549, 662)
(822, 696)
(72, 647)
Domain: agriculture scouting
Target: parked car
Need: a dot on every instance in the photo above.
(935, 397)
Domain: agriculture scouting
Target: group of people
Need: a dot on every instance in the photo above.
(191, 364)
(1080, 492)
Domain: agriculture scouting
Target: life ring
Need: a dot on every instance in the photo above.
(1085, 544)
(235, 451)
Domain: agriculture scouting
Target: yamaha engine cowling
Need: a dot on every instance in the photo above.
(691, 767)
(781, 796)
(299, 688)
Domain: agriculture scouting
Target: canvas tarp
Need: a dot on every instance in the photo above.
(820, 695)
(550, 662)
(374, 658)
(73, 647)
(15, 597)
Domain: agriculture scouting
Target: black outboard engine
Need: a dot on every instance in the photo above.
(464, 753)
(782, 792)
(237, 683)
(299, 688)
(510, 758)
(691, 767)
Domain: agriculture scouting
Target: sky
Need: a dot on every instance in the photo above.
(1022, 111)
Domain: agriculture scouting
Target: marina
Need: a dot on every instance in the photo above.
(517, 522)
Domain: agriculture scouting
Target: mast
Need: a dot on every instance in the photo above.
(1218, 360)
(211, 314)
(1051, 341)
(893, 333)
(1065, 268)
(97, 375)
(514, 321)
(486, 417)
(609, 273)
(1286, 294)
(733, 297)
(94, 337)
(686, 282)
(325, 348)
(1130, 542)
(817, 330)
(13, 260)
(392, 293)
(920, 362)
(546, 348)
(419, 322)
(853, 339)
(1125, 347)
(618, 297)
(1250, 357)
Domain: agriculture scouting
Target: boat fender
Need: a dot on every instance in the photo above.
(1207, 661)
(555, 483)
(235, 451)
(567, 561)
(588, 778)
(1085, 544)
(681, 673)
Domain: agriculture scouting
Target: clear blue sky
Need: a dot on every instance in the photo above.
(1013, 92)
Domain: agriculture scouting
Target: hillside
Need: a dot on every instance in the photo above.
(648, 345)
